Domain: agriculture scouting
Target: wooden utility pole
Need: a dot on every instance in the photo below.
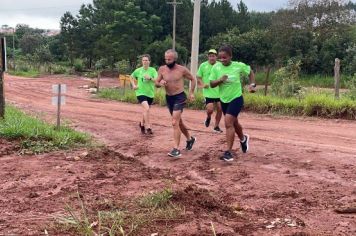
(195, 39)
(337, 77)
(2, 70)
(174, 3)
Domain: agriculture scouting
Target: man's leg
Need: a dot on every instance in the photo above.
(209, 111)
(230, 130)
(146, 118)
(176, 119)
(184, 129)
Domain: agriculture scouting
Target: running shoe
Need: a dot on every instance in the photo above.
(174, 153)
(227, 156)
(207, 121)
(190, 143)
(149, 131)
(217, 129)
(142, 127)
(244, 144)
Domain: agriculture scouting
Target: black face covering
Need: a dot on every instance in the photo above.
(171, 65)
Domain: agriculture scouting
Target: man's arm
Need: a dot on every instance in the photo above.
(190, 77)
(159, 82)
(132, 81)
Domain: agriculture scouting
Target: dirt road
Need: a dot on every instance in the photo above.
(298, 170)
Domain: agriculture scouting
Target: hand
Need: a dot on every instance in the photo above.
(134, 87)
(147, 77)
(224, 78)
(163, 83)
(191, 97)
(206, 86)
(252, 88)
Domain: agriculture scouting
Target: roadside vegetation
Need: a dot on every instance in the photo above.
(36, 136)
(127, 218)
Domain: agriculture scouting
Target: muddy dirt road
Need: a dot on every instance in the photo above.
(298, 170)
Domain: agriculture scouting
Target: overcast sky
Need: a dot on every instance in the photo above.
(46, 14)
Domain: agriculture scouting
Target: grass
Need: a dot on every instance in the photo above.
(37, 136)
(321, 81)
(318, 103)
(138, 214)
(30, 73)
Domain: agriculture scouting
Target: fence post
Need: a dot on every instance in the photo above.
(337, 78)
(2, 70)
(266, 80)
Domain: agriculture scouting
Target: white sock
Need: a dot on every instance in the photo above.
(243, 140)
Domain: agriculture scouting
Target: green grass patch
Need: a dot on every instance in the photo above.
(321, 81)
(37, 136)
(315, 103)
(319, 105)
(131, 219)
(30, 73)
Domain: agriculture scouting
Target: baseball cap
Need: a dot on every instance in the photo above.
(213, 51)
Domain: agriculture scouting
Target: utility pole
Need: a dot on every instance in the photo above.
(174, 3)
(195, 39)
(13, 47)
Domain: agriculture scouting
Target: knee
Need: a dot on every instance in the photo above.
(175, 123)
(210, 110)
(229, 124)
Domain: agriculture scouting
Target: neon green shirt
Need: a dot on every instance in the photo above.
(231, 88)
(145, 87)
(204, 73)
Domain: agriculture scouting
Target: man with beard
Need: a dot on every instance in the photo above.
(171, 77)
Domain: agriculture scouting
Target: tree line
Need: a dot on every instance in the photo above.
(314, 32)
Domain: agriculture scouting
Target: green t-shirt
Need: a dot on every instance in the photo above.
(231, 88)
(145, 87)
(204, 73)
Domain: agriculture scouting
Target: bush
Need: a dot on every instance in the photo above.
(285, 83)
(58, 69)
(352, 88)
(78, 65)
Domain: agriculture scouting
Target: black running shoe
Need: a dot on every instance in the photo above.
(207, 121)
(190, 143)
(174, 153)
(244, 145)
(149, 131)
(217, 129)
(142, 127)
(227, 156)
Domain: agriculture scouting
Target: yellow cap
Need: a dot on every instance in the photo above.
(213, 51)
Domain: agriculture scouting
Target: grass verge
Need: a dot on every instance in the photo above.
(313, 104)
(136, 216)
(37, 136)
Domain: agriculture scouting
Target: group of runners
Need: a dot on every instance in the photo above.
(219, 77)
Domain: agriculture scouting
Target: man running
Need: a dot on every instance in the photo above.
(142, 81)
(227, 76)
(171, 77)
(211, 94)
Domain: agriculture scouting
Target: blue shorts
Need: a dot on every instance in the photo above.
(143, 98)
(234, 107)
(211, 100)
(176, 102)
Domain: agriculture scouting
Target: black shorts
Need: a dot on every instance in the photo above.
(234, 107)
(211, 100)
(176, 102)
(143, 98)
